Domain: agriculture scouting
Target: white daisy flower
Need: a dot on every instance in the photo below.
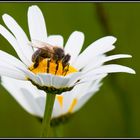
(77, 85)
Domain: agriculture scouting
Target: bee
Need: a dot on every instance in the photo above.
(52, 53)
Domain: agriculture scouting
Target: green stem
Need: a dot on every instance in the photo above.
(47, 115)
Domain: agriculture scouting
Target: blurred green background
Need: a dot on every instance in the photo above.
(114, 110)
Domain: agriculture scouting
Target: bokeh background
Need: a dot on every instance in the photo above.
(112, 112)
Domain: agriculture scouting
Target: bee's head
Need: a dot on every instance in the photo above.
(58, 53)
(66, 60)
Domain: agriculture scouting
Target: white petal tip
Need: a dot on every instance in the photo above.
(33, 6)
(7, 18)
(112, 39)
(4, 16)
(33, 9)
(127, 70)
(132, 71)
(78, 32)
(128, 56)
(114, 68)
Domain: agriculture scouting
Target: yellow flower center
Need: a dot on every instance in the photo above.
(46, 66)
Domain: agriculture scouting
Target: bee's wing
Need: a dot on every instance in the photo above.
(39, 44)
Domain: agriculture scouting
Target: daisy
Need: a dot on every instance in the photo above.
(29, 84)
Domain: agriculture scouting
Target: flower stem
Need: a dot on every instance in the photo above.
(47, 115)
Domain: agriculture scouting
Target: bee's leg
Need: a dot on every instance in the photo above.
(57, 66)
(48, 65)
(66, 69)
(37, 61)
(63, 69)
(36, 65)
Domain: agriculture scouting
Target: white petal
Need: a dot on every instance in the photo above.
(20, 36)
(5, 33)
(46, 79)
(94, 63)
(117, 56)
(74, 45)
(67, 101)
(36, 23)
(31, 101)
(74, 77)
(87, 85)
(41, 102)
(69, 96)
(11, 71)
(55, 40)
(32, 76)
(55, 80)
(65, 81)
(82, 99)
(13, 86)
(90, 77)
(59, 82)
(98, 47)
(9, 59)
(112, 68)
(10, 66)
(57, 110)
(104, 59)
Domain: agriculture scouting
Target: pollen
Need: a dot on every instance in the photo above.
(46, 66)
